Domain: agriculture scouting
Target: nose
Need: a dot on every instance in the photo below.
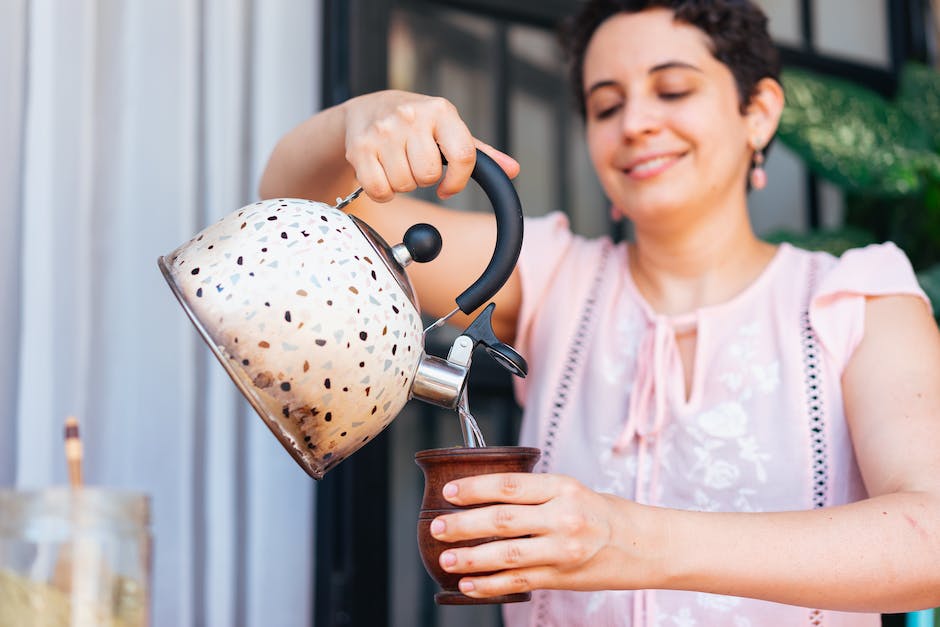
(639, 117)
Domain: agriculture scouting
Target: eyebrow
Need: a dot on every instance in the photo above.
(668, 65)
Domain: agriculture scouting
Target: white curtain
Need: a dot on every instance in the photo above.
(125, 127)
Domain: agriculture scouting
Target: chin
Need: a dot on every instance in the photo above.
(646, 207)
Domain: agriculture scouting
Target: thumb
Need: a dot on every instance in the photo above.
(509, 165)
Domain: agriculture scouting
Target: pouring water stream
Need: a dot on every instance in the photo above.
(472, 436)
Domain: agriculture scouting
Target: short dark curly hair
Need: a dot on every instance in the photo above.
(737, 30)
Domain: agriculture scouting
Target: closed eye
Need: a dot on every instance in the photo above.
(607, 112)
(674, 95)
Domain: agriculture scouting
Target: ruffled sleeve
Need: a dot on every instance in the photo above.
(837, 309)
(547, 240)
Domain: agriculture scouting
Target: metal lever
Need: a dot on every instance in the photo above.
(442, 381)
(481, 331)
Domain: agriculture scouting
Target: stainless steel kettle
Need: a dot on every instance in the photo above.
(312, 315)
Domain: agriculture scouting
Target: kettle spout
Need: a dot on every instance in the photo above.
(439, 381)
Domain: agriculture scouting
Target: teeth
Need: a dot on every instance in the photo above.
(652, 164)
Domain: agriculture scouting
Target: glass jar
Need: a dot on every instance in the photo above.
(74, 557)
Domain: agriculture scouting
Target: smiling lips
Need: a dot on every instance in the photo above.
(647, 167)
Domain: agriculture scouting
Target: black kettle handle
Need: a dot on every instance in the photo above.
(502, 195)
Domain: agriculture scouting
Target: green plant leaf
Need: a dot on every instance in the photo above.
(919, 98)
(853, 137)
(835, 241)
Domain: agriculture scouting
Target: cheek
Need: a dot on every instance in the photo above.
(718, 143)
(601, 144)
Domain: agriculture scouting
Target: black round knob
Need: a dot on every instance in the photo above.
(423, 242)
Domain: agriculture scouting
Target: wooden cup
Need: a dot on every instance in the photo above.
(446, 464)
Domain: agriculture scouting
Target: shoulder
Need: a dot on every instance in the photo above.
(875, 270)
(552, 253)
(557, 271)
(845, 284)
(553, 231)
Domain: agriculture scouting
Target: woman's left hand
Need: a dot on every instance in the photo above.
(556, 533)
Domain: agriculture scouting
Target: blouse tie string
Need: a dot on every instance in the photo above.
(647, 411)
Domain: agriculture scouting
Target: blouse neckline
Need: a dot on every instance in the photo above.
(689, 319)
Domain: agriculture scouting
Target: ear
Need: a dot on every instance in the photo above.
(763, 112)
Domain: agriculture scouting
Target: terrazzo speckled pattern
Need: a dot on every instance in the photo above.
(313, 325)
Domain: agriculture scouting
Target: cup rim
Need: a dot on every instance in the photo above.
(479, 452)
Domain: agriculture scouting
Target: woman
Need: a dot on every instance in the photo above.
(733, 433)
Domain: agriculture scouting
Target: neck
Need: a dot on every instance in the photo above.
(690, 264)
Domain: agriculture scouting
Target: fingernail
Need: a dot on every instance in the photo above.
(466, 586)
(450, 490)
(437, 527)
(448, 559)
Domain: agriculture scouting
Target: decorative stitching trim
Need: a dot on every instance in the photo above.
(816, 411)
(562, 394)
(814, 400)
(572, 364)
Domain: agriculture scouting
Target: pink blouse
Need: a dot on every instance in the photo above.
(763, 429)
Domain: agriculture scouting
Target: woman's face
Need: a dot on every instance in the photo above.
(664, 124)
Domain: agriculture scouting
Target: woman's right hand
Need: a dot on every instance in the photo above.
(394, 141)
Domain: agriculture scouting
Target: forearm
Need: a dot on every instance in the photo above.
(879, 555)
(309, 162)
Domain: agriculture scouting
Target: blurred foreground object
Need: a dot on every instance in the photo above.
(74, 557)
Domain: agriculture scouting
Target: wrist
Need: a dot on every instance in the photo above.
(643, 543)
(659, 553)
(342, 111)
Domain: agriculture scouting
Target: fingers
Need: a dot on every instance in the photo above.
(424, 159)
(494, 556)
(455, 179)
(390, 171)
(514, 553)
(509, 165)
(397, 171)
(551, 532)
(395, 141)
(509, 582)
(392, 142)
(504, 521)
(457, 145)
(372, 178)
(519, 488)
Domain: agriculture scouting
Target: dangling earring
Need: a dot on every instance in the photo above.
(616, 213)
(758, 174)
